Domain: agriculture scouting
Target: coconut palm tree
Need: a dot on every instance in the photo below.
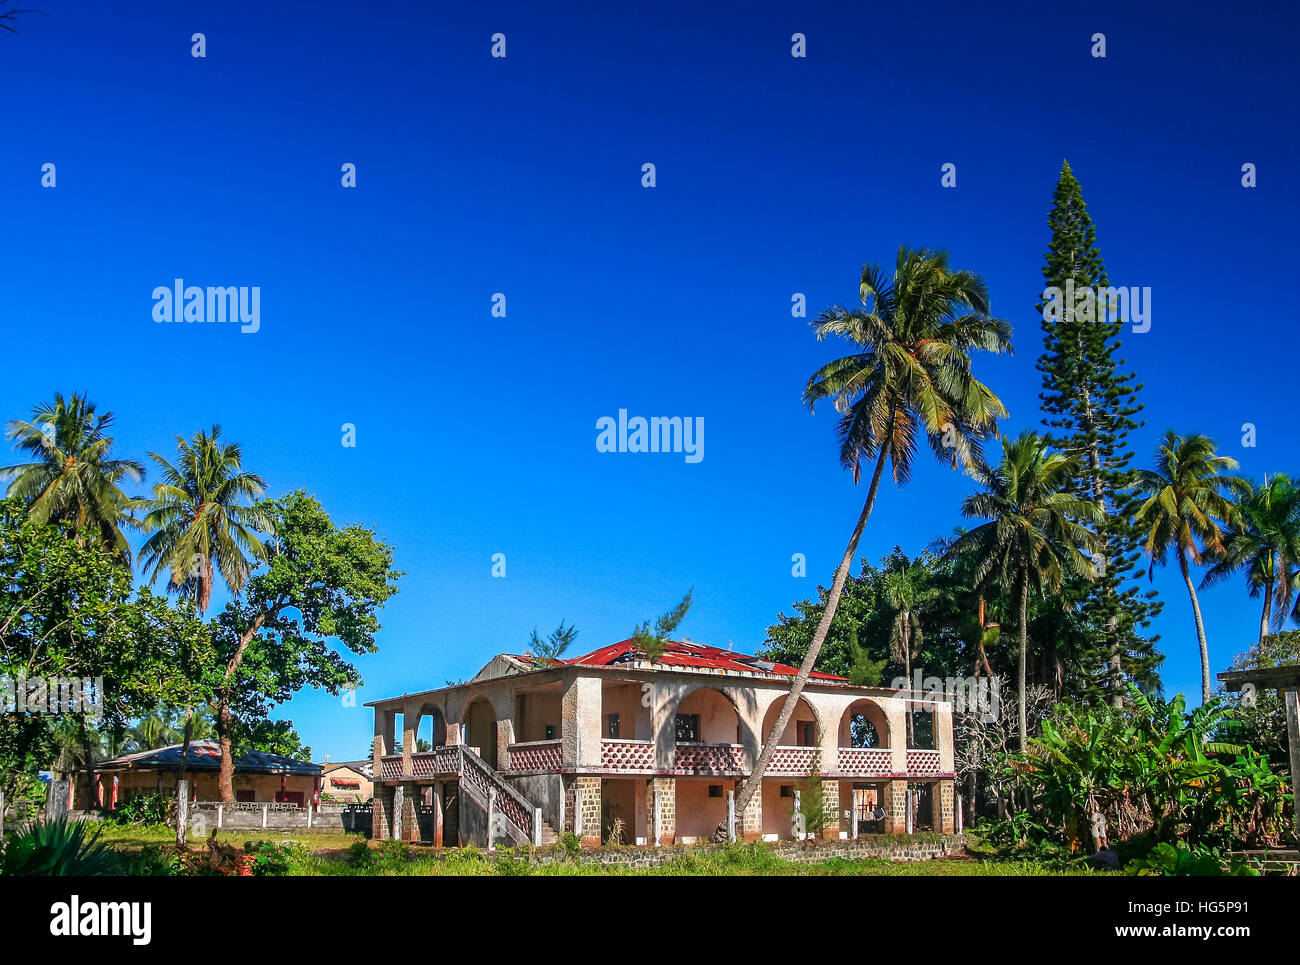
(1187, 503)
(198, 521)
(907, 593)
(203, 520)
(907, 382)
(1264, 542)
(1031, 539)
(73, 479)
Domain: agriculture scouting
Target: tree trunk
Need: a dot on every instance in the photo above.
(1200, 628)
(226, 780)
(755, 779)
(1268, 605)
(1024, 647)
(907, 670)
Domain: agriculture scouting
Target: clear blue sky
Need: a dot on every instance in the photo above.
(477, 175)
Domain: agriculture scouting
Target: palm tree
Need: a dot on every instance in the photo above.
(1031, 538)
(199, 525)
(907, 592)
(1264, 541)
(198, 521)
(73, 479)
(1186, 503)
(908, 380)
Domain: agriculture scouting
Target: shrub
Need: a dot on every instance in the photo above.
(1168, 860)
(360, 855)
(270, 860)
(50, 848)
(147, 809)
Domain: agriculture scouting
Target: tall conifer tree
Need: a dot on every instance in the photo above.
(1089, 408)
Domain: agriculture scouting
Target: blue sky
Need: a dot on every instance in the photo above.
(475, 175)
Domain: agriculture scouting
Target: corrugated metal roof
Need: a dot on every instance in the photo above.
(685, 653)
(206, 755)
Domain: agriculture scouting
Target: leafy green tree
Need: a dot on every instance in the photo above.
(1263, 541)
(68, 608)
(1032, 539)
(908, 592)
(73, 479)
(907, 381)
(1187, 502)
(271, 737)
(1089, 408)
(202, 519)
(1259, 718)
(320, 583)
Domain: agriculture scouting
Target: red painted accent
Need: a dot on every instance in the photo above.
(681, 654)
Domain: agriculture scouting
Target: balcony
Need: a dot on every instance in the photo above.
(866, 761)
(536, 756)
(627, 756)
(709, 760)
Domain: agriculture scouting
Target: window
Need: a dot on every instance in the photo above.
(806, 733)
(688, 727)
(289, 797)
(550, 732)
(611, 727)
(715, 790)
(242, 795)
(787, 790)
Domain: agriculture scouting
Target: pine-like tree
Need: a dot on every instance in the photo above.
(1089, 408)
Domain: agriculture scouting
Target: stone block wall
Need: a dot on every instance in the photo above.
(667, 792)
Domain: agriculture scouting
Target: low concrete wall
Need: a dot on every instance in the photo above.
(889, 848)
(545, 791)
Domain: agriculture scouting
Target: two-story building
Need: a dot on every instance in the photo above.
(615, 746)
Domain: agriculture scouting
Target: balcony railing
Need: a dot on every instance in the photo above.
(709, 759)
(923, 764)
(794, 762)
(866, 761)
(627, 755)
(536, 756)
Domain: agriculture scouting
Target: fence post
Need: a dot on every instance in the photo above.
(221, 813)
(265, 809)
(182, 811)
(309, 816)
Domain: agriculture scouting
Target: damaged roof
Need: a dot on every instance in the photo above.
(685, 653)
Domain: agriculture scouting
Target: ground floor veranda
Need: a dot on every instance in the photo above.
(638, 810)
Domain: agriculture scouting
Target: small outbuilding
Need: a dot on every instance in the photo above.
(259, 776)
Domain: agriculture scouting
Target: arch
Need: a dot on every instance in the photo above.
(432, 726)
(795, 734)
(712, 717)
(481, 729)
(864, 724)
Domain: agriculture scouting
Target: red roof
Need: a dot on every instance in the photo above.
(680, 653)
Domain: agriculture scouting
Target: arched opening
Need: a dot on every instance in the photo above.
(800, 731)
(864, 725)
(481, 730)
(709, 740)
(432, 731)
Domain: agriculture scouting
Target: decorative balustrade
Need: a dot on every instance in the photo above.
(793, 762)
(536, 756)
(709, 759)
(390, 767)
(627, 755)
(441, 761)
(923, 764)
(866, 761)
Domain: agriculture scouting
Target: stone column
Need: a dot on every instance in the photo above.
(582, 807)
(943, 736)
(410, 721)
(410, 817)
(895, 805)
(437, 815)
(942, 796)
(661, 802)
(831, 809)
(580, 731)
(751, 820)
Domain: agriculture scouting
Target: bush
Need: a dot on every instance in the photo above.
(147, 809)
(270, 860)
(360, 855)
(57, 848)
(151, 861)
(1167, 860)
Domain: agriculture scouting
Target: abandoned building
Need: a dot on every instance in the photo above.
(616, 747)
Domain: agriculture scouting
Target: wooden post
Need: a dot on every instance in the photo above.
(265, 811)
(491, 816)
(437, 815)
(907, 800)
(854, 798)
(658, 818)
(221, 814)
(182, 811)
(731, 815)
(957, 802)
(1293, 745)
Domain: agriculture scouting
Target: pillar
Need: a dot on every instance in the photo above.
(381, 809)
(751, 821)
(437, 814)
(831, 809)
(895, 805)
(410, 816)
(661, 802)
(942, 807)
(582, 806)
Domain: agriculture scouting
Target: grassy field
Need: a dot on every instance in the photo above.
(333, 854)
